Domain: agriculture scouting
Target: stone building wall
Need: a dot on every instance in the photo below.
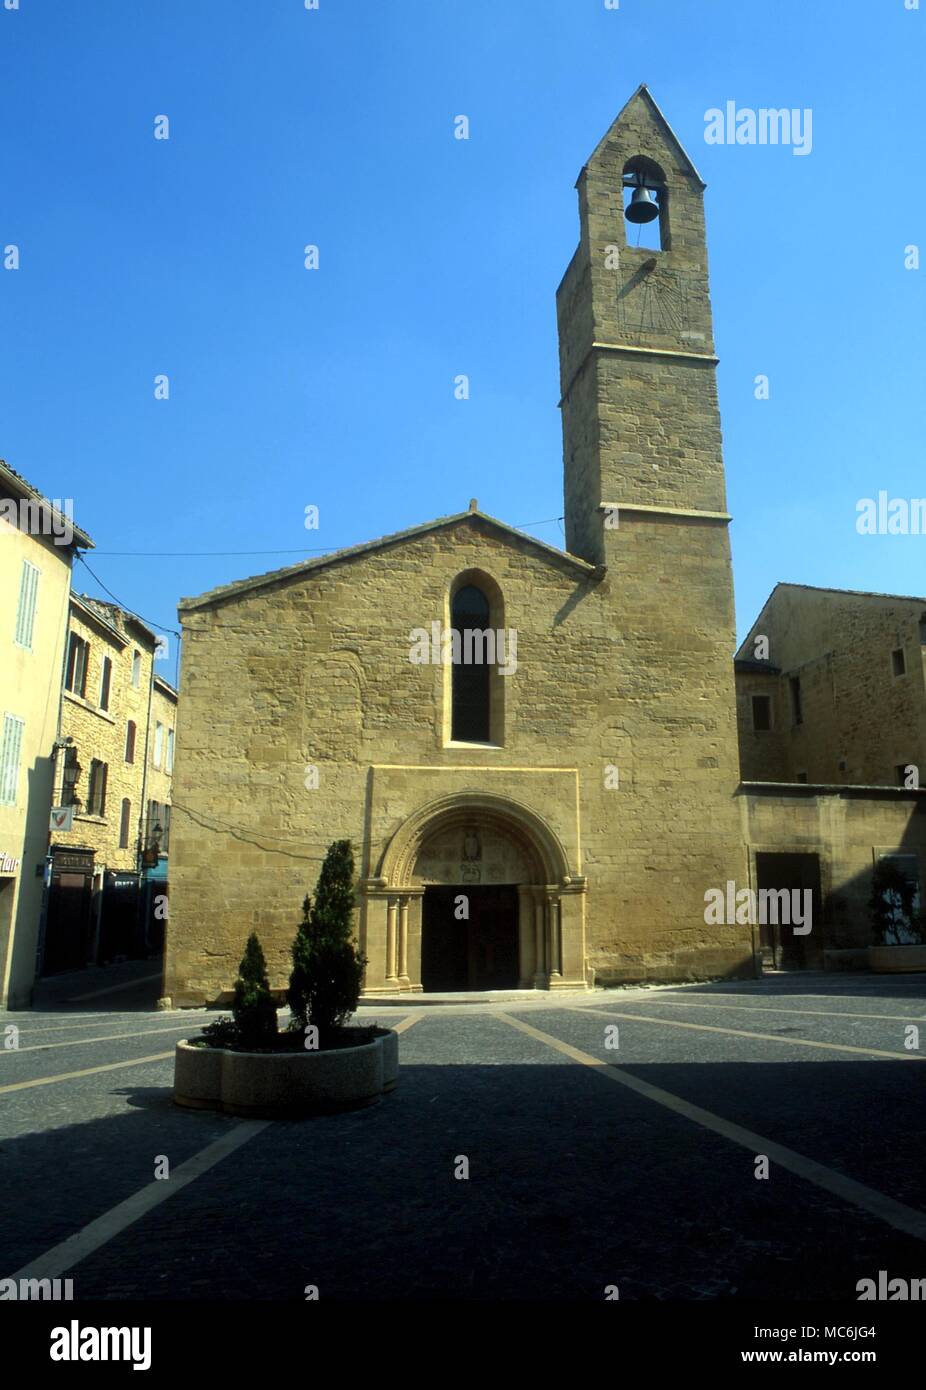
(317, 685)
(848, 830)
(860, 720)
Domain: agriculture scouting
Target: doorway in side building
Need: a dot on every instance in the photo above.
(478, 951)
(781, 947)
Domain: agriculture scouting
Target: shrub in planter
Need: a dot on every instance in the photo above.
(255, 1015)
(324, 985)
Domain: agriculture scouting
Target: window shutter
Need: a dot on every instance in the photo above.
(25, 613)
(10, 753)
(105, 679)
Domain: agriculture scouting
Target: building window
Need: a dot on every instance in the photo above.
(10, 756)
(797, 709)
(130, 741)
(75, 678)
(106, 676)
(169, 765)
(158, 743)
(136, 669)
(25, 612)
(124, 823)
(96, 793)
(470, 680)
(761, 713)
(898, 662)
(802, 776)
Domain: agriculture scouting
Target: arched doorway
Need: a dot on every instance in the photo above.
(474, 892)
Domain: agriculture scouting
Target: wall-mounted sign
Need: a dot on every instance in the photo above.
(62, 818)
(8, 865)
(72, 859)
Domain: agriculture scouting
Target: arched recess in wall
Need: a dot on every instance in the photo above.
(334, 717)
(474, 684)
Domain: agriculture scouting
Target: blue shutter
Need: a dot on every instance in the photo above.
(25, 613)
(10, 754)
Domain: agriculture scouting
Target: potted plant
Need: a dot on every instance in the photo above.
(898, 929)
(245, 1066)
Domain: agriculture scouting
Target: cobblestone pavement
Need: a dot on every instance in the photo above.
(575, 1183)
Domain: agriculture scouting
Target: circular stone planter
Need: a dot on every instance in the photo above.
(277, 1085)
(896, 959)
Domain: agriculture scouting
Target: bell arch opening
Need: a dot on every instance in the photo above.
(646, 204)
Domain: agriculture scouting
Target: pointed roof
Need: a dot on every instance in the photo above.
(472, 516)
(643, 94)
(821, 589)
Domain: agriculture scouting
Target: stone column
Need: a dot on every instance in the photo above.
(576, 974)
(391, 915)
(556, 953)
(402, 971)
(541, 979)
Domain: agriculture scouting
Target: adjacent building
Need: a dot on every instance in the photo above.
(831, 705)
(38, 542)
(118, 725)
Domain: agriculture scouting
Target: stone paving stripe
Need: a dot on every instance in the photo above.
(99, 1232)
(106, 1037)
(87, 1071)
(782, 1009)
(112, 989)
(406, 1023)
(96, 1021)
(896, 1214)
(764, 1037)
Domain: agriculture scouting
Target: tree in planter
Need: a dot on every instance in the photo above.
(253, 1006)
(894, 921)
(324, 985)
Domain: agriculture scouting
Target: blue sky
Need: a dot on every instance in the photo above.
(437, 257)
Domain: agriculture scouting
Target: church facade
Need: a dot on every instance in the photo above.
(534, 752)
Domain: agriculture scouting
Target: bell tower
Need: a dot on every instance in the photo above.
(641, 425)
(645, 501)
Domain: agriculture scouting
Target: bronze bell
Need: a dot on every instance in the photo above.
(643, 206)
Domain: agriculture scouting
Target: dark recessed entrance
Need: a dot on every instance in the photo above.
(481, 953)
(780, 947)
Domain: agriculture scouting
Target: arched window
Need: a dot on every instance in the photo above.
(471, 680)
(645, 180)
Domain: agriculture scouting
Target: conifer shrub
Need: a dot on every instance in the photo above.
(324, 985)
(253, 1007)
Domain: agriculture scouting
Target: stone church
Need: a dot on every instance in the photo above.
(534, 751)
